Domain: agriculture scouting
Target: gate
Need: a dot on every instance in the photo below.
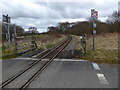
(25, 44)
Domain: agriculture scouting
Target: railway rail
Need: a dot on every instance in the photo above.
(52, 54)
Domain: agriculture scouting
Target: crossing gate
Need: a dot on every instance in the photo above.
(25, 44)
(83, 43)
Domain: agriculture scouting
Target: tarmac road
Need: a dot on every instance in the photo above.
(66, 73)
(77, 74)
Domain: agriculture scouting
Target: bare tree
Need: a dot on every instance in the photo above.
(112, 21)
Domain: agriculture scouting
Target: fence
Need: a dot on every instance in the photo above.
(24, 44)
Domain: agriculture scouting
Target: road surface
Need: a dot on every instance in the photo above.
(65, 73)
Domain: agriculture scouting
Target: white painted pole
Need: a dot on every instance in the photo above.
(8, 35)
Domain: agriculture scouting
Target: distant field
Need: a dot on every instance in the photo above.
(104, 41)
(106, 48)
(47, 41)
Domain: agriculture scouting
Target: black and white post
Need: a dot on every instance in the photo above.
(94, 16)
(6, 19)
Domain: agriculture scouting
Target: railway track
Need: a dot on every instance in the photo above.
(52, 54)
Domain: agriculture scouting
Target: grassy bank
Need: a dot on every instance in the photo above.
(106, 49)
(48, 41)
(8, 52)
(102, 56)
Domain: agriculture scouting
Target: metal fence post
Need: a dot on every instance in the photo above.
(15, 39)
(6, 19)
(8, 35)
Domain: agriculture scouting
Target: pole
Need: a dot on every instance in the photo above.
(94, 16)
(93, 37)
(6, 19)
(93, 42)
(15, 40)
(8, 35)
(15, 34)
(8, 31)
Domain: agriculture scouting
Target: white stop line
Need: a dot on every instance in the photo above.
(102, 79)
(96, 67)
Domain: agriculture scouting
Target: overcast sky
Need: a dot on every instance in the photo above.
(44, 13)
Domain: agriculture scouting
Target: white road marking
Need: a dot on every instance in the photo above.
(96, 67)
(71, 60)
(27, 58)
(102, 79)
(63, 60)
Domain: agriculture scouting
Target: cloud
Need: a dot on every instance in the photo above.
(41, 14)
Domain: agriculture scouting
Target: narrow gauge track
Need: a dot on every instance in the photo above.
(41, 56)
(53, 53)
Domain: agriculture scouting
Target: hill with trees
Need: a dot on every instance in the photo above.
(86, 27)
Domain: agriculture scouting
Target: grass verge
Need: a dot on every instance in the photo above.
(102, 56)
(8, 53)
(106, 49)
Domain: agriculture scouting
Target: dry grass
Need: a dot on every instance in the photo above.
(7, 52)
(104, 41)
(106, 49)
(78, 47)
(46, 42)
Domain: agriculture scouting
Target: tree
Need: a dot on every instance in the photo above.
(112, 21)
(52, 29)
(113, 18)
(19, 30)
(32, 30)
